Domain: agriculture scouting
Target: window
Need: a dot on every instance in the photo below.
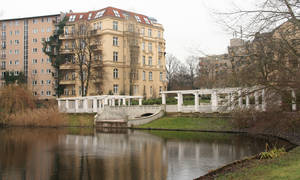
(158, 34)
(34, 71)
(116, 73)
(100, 25)
(150, 32)
(17, 32)
(66, 91)
(115, 41)
(17, 42)
(42, 93)
(161, 76)
(150, 76)
(48, 71)
(34, 21)
(150, 47)
(48, 82)
(150, 61)
(116, 13)
(34, 82)
(34, 40)
(144, 60)
(10, 33)
(144, 76)
(48, 60)
(159, 61)
(72, 18)
(34, 50)
(34, 61)
(73, 75)
(35, 31)
(3, 64)
(115, 56)
(90, 16)
(17, 51)
(49, 29)
(16, 62)
(143, 31)
(10, 63)
(48, 19)
(42, 82)
(147, 20)
(34, 93)
(137, 18)
(10, 52)
(143, 46)
(116, 88)
(99, 14)
(48, 93)
(115, 25)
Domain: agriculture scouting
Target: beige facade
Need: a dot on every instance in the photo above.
(21, 51)
(114, 30)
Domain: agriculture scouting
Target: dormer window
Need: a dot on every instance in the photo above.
(99, 14)
(116, 13)
(90, 16)
(137, 18)
(147, 20)
(81, 16)
(72, 18)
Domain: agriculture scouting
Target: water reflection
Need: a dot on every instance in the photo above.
(51, 154)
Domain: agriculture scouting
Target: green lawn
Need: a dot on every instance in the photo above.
(286, 166)
(193, 123)
(81, 119)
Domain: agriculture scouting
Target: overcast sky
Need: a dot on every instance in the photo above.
(189, 25)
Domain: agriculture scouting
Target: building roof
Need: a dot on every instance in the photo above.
(31, 17)
(108, 11)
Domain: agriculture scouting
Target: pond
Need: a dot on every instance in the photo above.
(88, 154)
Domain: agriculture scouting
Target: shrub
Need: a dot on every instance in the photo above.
(271, 153)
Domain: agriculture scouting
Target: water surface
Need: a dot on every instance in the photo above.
(85, 154)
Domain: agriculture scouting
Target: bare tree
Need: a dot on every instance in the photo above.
(193, 67)
(87, 55)
(172, 66)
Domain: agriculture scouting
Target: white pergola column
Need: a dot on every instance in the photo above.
(85, 105)
(196, 101)
(179, 102)
(113, 102)
(129, 102)
(103, 103)
(256, 98)
(119, 102)
(240, 98)
(163, 99)
(140, 101)
(94, 105)
(247, 101)
(263, 100)
(214, 101)
(124, 102)
(67, 105)
(59, 104)
(294, 105)
(76, 105)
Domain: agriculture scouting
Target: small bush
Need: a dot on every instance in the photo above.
(271, 153)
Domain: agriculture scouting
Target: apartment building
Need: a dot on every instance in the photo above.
(128, 47)
(22, 51)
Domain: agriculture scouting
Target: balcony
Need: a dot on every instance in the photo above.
(67, 66)
(67, 82)
(96, 47)
(67, 36)
(67, 51)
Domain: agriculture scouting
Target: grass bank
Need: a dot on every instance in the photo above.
(286, 166)
(191, 123)
(80, 120)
